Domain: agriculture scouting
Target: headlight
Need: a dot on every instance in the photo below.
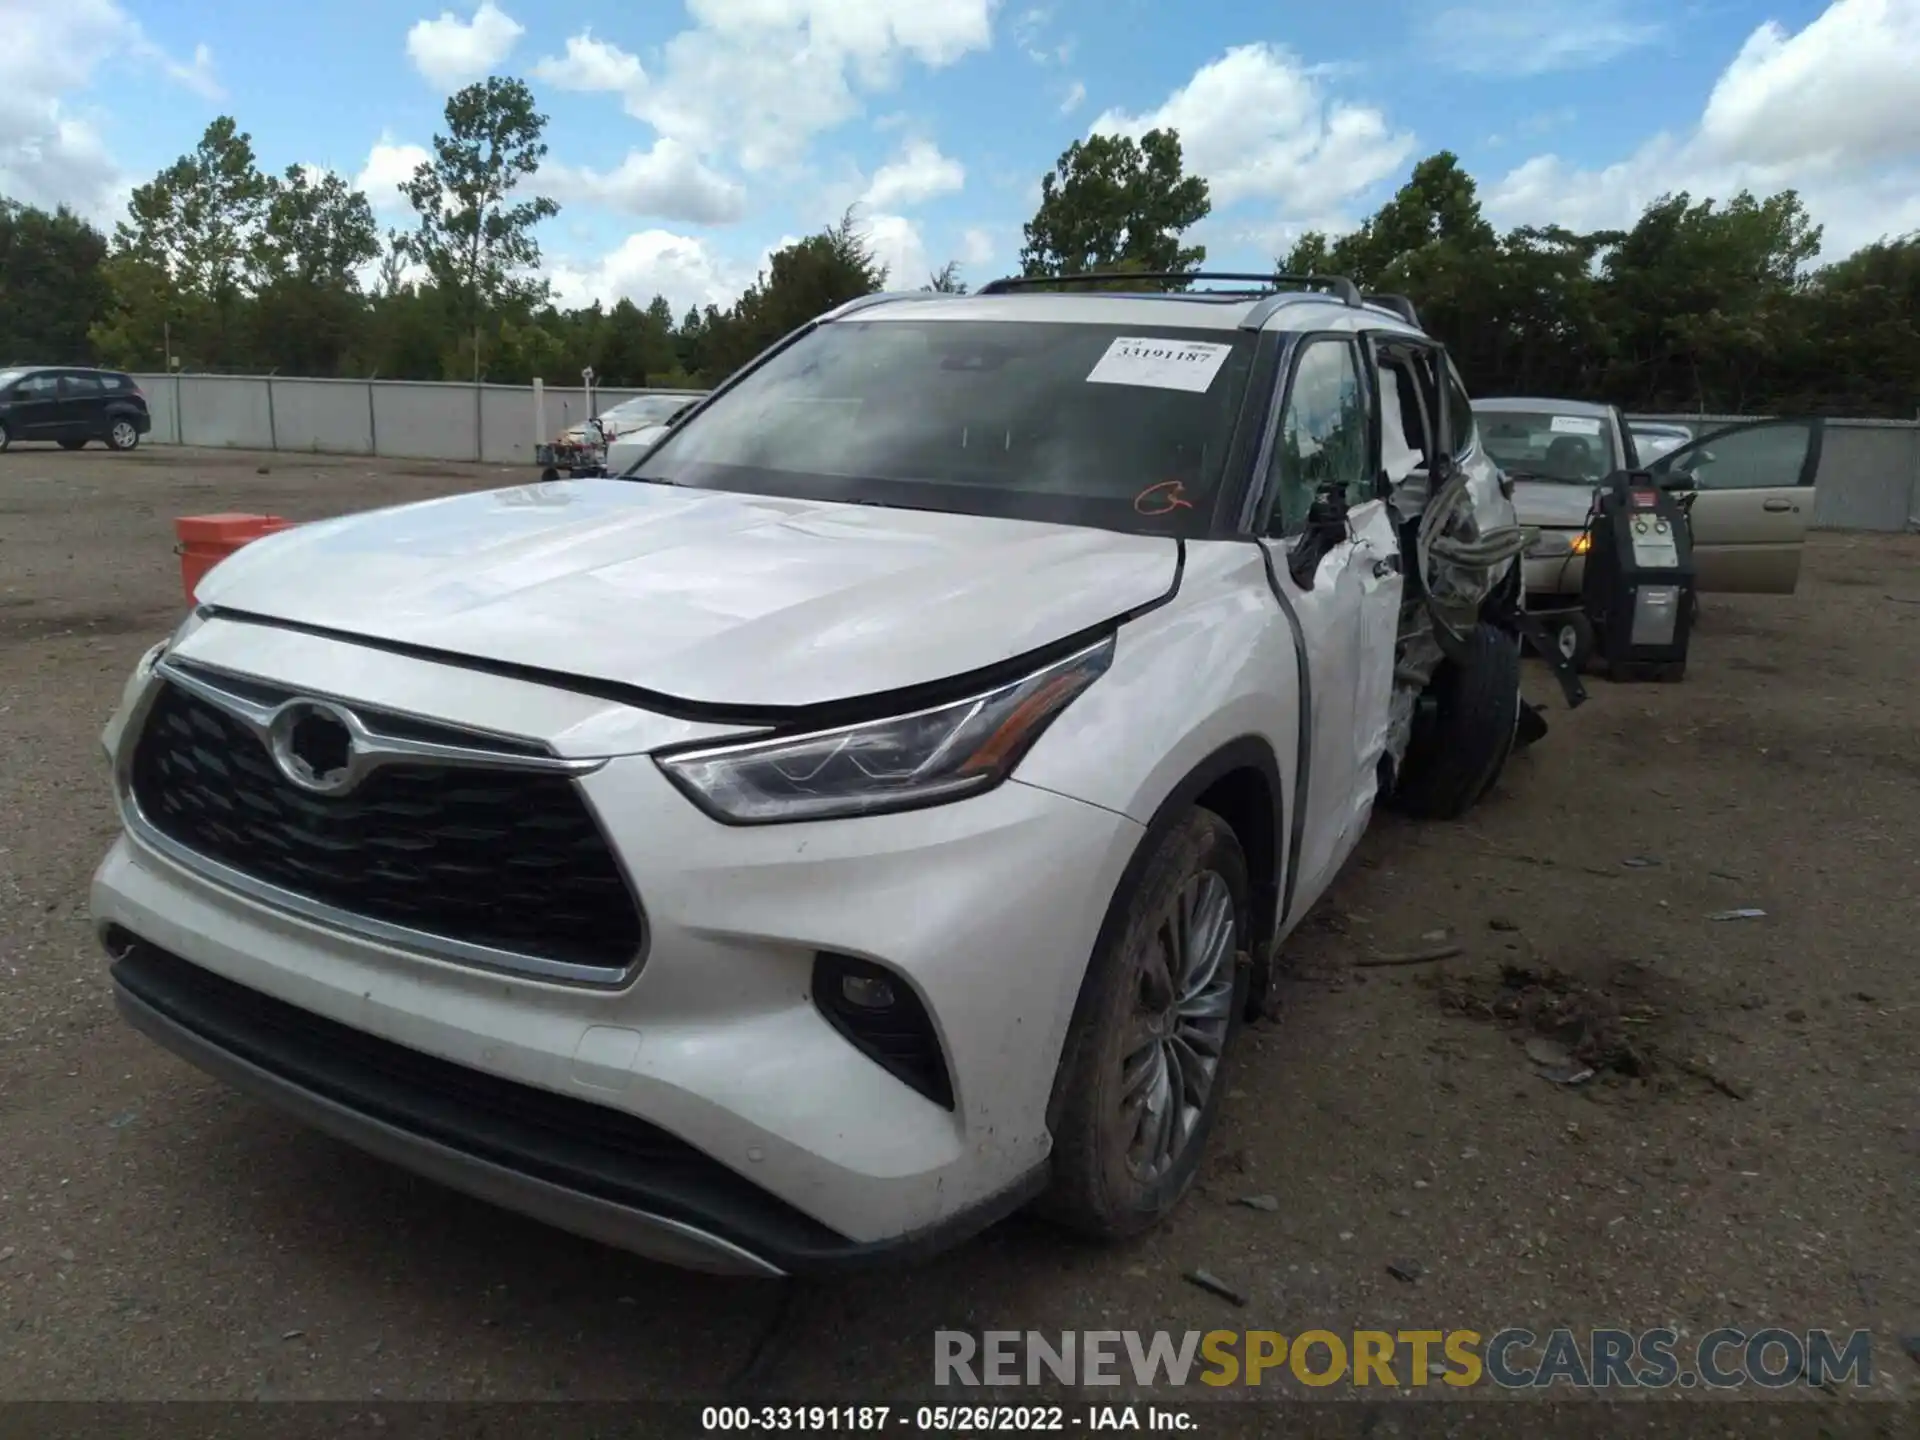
(1582, 543)
(902, 763)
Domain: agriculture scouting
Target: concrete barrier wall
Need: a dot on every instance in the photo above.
(321, 415)
(224, 410)
(403, 419)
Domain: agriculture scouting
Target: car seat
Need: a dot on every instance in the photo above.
(1570, 458)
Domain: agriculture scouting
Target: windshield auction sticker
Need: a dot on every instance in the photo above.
(1161, 364)
(1575, 425)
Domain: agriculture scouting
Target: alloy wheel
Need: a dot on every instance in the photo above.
(1183, 1010)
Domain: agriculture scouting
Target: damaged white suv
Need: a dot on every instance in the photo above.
(877, 811)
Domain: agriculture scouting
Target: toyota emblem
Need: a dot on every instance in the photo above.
(313, 745)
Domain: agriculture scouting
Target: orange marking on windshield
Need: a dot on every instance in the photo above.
(1162, 499)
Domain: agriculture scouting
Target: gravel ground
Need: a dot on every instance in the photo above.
(1749, 1153)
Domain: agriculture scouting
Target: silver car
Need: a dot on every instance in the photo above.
(1753, 487)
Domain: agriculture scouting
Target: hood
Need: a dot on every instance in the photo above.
(726, 599)
(1553, 505)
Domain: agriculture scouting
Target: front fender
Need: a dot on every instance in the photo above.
(1214, 667)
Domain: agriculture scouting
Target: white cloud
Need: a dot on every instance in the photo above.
(896, 243)
(196, 74)
(918, 174)
(591, 64)
(1536, 37)
(977, 247)
(1827, 111)
(390, 164)
(1075, 97)
(668, 181)
(451, 52)
(49, 153)
(1843, 89)
(760, 78)
(1028, 29)
(649, 263)
(1255, 123)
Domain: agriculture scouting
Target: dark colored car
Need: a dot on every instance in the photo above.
(71, 406)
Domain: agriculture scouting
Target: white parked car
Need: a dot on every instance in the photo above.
(586, 448)
(623, 452)
(877, 813)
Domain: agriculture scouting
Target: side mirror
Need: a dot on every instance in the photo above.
(1676, 480)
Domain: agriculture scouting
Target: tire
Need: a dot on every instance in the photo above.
(1461, 744)
(1113, 1173)
(1573, 637)
(6, 437)
(122, 434)
(549, 475)
(73, 444)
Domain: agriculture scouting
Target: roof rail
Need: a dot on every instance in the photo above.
(867, 302)
(1398, 304)
(1342, 288)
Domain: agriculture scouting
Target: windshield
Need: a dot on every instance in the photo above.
(647, 410)
(1078, 424)
(7, 377)
(1574, 449)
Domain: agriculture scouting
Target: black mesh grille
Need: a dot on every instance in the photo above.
(507, 859)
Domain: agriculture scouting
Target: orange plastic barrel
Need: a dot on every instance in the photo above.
(206, 540)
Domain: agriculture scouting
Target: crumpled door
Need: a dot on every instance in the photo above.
(1349, 620)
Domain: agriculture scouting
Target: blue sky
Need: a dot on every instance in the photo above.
(689, 139)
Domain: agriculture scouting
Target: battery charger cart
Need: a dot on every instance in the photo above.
(1638, 589)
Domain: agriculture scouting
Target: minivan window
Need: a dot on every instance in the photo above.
(1078, 424)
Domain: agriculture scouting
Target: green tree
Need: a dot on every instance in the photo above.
(474, 237)
(1858, 349)
(1704, 298)
(1112, 203)
(318, 229)
(310, 312)
(801, 282)
(946, 280)
(52, 285)
(188, 253)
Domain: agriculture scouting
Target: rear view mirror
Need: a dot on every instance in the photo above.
(1680, 480)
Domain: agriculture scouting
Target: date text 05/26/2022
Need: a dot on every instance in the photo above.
(941, 1419)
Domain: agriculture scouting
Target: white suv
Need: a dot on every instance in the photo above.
(877, 812)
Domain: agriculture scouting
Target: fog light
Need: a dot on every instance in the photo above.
(869, 992)
(880, 1013)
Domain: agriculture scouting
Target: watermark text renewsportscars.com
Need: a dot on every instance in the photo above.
(1770, 1358)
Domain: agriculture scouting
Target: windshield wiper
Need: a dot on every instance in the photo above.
(653, 480)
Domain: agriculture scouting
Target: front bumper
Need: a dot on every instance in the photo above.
(1558, 577)
(989, 908)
